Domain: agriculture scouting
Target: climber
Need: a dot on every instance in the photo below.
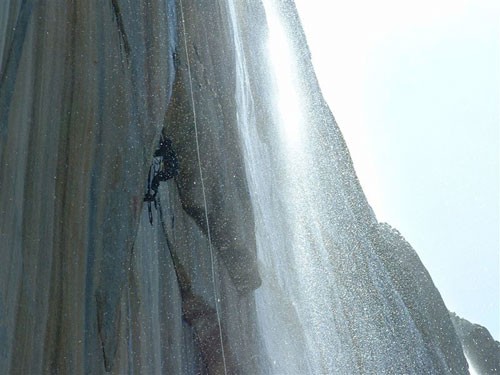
(169, 165)
(164, 167)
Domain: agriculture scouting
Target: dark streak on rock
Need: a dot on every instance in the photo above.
(107, 328)
(9, 74)
(121, 28)
(55, 358)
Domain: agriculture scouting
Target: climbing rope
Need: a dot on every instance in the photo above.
(212, 259)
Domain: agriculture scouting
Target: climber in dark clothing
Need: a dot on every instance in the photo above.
(164, 167)
(169, 167)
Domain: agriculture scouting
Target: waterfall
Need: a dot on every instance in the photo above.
(326, 304)
(284, 229)
(281, 243)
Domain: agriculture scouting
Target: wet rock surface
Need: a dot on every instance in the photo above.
(421, 297)
(481, 349)
(85, 89)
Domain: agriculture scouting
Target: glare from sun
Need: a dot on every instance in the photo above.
(283, 65)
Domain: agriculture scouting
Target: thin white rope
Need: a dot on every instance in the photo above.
(203, 189)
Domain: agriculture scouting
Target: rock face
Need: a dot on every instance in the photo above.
(76, 144)
(85, 91)
(482, 351)
(201, 121)
(422, 299)
(263, 256)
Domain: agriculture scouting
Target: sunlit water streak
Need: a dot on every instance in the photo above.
(284, 69)
(309, 247)
(290, 296)
(472, 370)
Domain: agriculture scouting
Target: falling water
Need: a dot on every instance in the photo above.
(320, 273)
(288, 233)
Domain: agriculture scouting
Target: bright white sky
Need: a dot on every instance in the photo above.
(415, 88)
